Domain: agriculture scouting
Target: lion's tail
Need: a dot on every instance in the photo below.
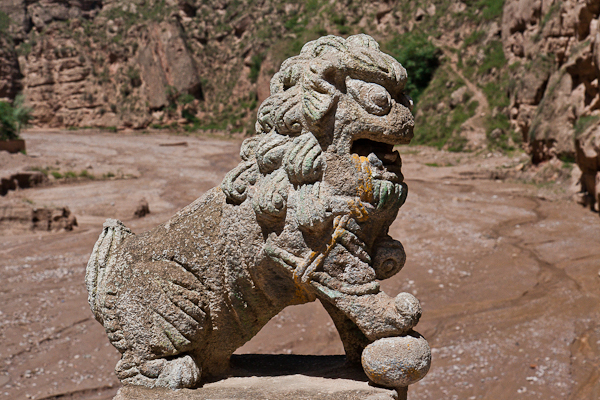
(102, 260)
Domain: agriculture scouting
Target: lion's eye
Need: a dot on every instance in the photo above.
(372, 97)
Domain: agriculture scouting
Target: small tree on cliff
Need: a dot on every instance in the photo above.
(13, 117)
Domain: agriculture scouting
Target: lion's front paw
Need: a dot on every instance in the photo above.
(181, 372)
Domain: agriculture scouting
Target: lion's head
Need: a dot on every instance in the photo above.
(325, 140)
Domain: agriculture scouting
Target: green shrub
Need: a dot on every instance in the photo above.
(4, 22)
(189, 116)
(250, 102)
(583, 123)
(311, 6)
(494, 57)
(134, 77)
(475, 37)
(24, 48)
(255, 63)
(420, 58)
(8, 128)
(86, 174)
(186, 99)
(554, 9)
(567, 159)
(291, 24)
(341, 24)
(490, 9)
(496, 94)
(13, 117)
(443, 129)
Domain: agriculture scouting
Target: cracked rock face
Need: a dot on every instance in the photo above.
(305, 215)
(10, 75)
(558, 46)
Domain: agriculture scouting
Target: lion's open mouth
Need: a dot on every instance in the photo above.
(385, 161)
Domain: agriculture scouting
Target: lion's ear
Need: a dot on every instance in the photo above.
(318, 95)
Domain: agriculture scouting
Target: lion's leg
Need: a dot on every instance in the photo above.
(376, 315)
(162, 320)
(161, 332)
(353, 339)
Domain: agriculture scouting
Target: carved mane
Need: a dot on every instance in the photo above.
(291, 126)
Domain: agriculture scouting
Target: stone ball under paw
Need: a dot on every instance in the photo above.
(397, 361)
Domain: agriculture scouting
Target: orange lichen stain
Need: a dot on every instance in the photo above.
(315, 259)
(358, 210)
(365, 185)
(301, 295)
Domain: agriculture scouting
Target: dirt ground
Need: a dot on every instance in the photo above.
(507, 272)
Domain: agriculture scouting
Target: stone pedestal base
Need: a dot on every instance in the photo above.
(278, 377)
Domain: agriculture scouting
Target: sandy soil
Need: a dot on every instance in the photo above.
(507, 273)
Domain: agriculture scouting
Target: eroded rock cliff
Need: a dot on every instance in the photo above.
(501, 74)
(553, 49)
(10, 75)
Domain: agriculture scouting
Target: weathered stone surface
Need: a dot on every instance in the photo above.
(142, 209)
(305, 215)
(13, 146)
(53, 219)
(17, 216)
(587, 148)
(278, 377)
(20, 180)
(459, 96)
(16, 10)
(397, 361)
(10, 75)
(166, 61)
(300, 387)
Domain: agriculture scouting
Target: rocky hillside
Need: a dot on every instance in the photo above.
(501, 74)
(138, 63)
(10, 75)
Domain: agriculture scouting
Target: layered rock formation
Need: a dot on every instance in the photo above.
(10, 74)
(20, 180)
(94, 63)
(527, 69)
(587, 147)
(554, 50)
(19, 217)
(131, 63)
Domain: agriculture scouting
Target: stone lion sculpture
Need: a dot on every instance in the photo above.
(304, 216)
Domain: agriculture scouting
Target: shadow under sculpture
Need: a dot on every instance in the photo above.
(304, 216)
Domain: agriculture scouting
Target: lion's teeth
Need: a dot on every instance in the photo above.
(374, 160)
